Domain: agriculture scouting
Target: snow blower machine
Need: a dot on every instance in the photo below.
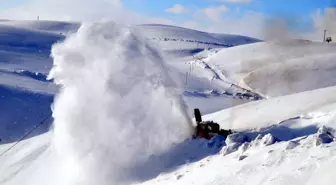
(208, 129)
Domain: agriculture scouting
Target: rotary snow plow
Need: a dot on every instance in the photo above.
(208, 129)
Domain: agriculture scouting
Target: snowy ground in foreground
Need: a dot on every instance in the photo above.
(286, 138)
(277, 144)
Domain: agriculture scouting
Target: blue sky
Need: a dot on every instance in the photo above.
(272, 7)
(157, 7)
(291, 10)
(240, 16)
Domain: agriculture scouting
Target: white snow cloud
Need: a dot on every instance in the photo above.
(235, 1)
(325, 21)
(177, 9)
(102, 125)
(215, 13)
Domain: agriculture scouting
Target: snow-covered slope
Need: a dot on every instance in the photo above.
(284, 140)
(121, 110)
(56, 27)
(278, 67)
(25, 93)
(172, 38)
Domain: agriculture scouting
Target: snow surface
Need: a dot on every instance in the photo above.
(278, 67)
(56, 27)
(123, 100)
(185, 41)
(25, 93)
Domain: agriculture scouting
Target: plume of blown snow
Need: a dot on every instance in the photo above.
(118, 104)
(326, 21)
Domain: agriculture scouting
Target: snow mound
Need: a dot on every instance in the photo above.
(128, 109)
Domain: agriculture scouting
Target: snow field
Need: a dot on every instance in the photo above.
(122, 109)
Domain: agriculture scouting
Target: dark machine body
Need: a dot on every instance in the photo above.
(208, 129)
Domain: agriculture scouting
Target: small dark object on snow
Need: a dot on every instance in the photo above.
(208, 129)
(198, 116)
(329, 39)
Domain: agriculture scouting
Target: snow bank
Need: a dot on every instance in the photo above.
(117, 107)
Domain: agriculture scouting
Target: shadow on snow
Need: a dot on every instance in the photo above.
(21, 111)
(194, 150)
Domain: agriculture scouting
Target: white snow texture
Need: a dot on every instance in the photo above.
(118, 105)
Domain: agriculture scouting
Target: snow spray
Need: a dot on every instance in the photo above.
(118, 104)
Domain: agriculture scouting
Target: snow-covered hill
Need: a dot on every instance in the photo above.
(122, 106)
(183, 41)
(278, 67)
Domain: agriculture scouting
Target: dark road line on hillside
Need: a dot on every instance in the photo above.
(26, 135)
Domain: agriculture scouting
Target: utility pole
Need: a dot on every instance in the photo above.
(324, 37)
(186, 82)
